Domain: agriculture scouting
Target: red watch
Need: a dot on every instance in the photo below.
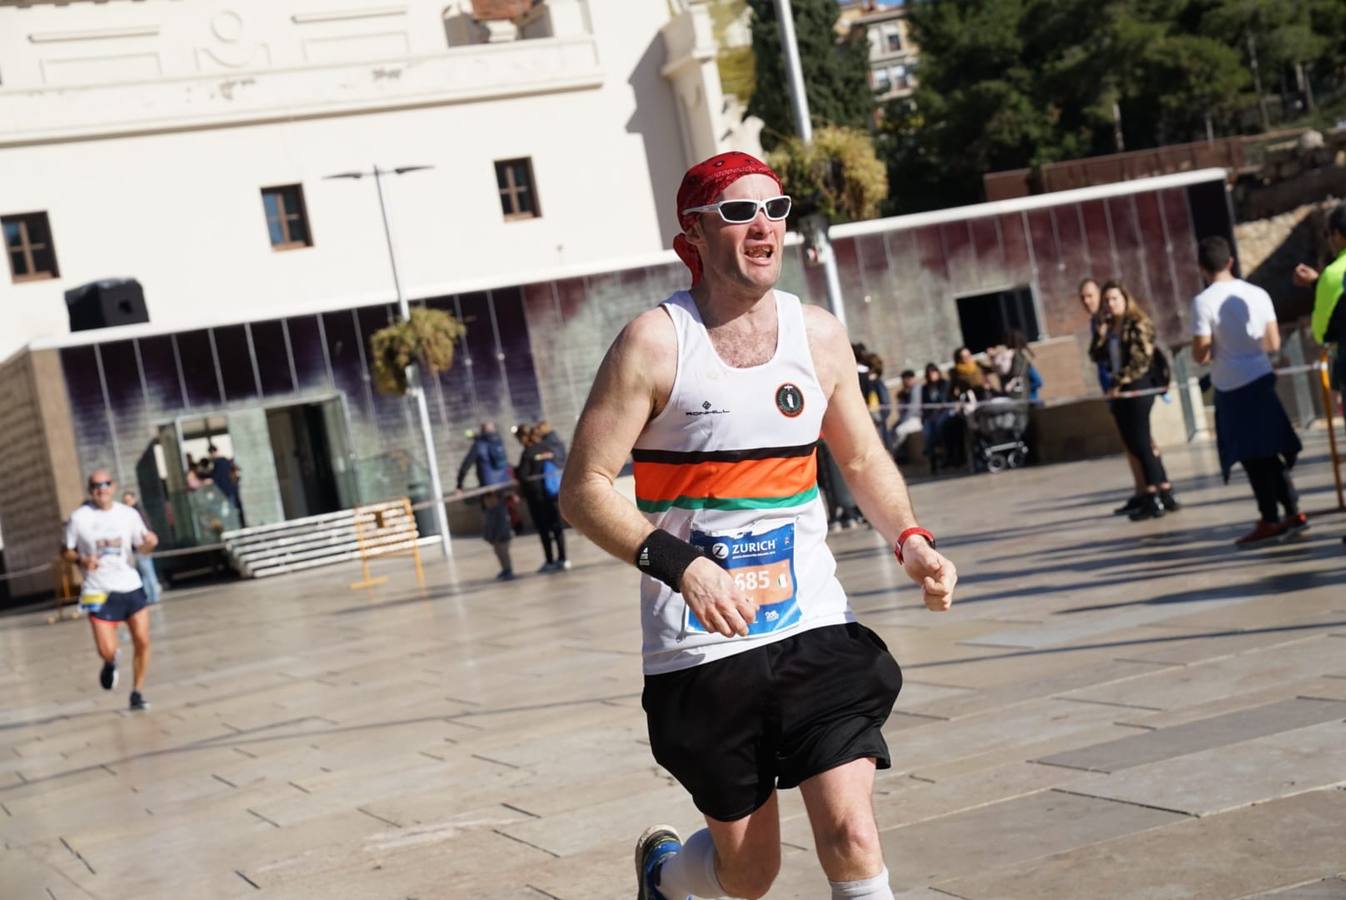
(911, 532)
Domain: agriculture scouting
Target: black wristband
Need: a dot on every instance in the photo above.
(665, 557)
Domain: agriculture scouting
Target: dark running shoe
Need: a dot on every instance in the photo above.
(1150, 508)
(1129, 506)
(138, 701)
(653, 847)
(1296, 524)
(1261, 534)
(1170, 502)
(108, 677)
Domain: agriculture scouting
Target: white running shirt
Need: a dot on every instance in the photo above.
(1234, 315)
(730, 464)
(111, 535)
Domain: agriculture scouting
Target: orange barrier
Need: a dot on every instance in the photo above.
(386, 529)
(1326, 381)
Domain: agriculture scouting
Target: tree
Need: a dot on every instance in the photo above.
(1007, 84)
(836, 73)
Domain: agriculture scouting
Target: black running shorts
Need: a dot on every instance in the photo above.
(117, 607)
(734, 730)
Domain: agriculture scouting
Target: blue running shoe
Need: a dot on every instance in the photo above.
(655, 845)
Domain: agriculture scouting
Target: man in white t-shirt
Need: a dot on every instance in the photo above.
(1234, 328)
(101, 536)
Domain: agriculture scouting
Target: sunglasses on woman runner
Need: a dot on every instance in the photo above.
(739, 212)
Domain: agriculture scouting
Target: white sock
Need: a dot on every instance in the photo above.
(691, 871)
(875, 888)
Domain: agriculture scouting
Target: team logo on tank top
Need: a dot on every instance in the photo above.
(789, 400)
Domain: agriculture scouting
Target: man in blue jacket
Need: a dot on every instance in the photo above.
(487, 453)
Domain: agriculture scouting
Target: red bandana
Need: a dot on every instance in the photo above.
(701, 185)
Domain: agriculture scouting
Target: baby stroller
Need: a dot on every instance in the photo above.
(998, 426)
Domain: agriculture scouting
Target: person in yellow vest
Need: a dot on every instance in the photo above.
(1329, 313)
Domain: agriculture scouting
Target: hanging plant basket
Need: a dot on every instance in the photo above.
(428, 338)
(838, 175)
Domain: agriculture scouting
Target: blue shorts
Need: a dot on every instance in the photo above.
(115, 607)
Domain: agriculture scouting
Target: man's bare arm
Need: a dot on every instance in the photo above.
(869, 471)
(1271, 338)
(621, 402)
(850, 433)
(1202, 349)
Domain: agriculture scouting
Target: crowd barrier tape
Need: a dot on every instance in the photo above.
(1121, 395)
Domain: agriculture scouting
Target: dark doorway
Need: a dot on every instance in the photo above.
(987, 319)
(303, 451)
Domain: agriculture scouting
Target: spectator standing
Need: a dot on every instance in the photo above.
(539, 475)
(487, 457)
(1092, 301)
(224, 475)
(877, 397)
(1234, 328)
(1126, 344)
(1329, 313)
(908, 412)
(149, 577)
(1021, 378)
(193, 480)
(936, 413)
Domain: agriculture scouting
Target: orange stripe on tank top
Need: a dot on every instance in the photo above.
(755, 478)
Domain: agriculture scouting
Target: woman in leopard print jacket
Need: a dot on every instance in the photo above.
(1125, 344)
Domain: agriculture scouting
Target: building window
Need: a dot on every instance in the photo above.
(988, 319)
(518, 193)
(32, 257)
(881, 82)
(286, 217)
(894, 41)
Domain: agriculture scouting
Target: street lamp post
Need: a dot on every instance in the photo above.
(413, 371)
(800, 106)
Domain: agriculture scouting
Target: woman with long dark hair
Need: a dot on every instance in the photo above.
(1125, 344)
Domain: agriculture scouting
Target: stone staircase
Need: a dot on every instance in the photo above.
(314, 541)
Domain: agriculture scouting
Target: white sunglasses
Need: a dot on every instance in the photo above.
(740, 212)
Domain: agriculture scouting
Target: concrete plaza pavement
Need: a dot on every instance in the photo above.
(1110, 710)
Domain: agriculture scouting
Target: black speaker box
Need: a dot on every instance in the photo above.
(102, 304)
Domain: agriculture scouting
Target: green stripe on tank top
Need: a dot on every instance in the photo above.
(727, 503)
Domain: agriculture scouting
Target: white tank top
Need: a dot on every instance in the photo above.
(730, 464)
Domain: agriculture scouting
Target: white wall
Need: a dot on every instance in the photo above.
(160, 180)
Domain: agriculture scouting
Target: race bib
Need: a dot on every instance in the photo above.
(92, 601)
(763, 567)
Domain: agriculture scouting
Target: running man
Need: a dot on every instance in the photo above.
(101, 536)
(757, 675)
